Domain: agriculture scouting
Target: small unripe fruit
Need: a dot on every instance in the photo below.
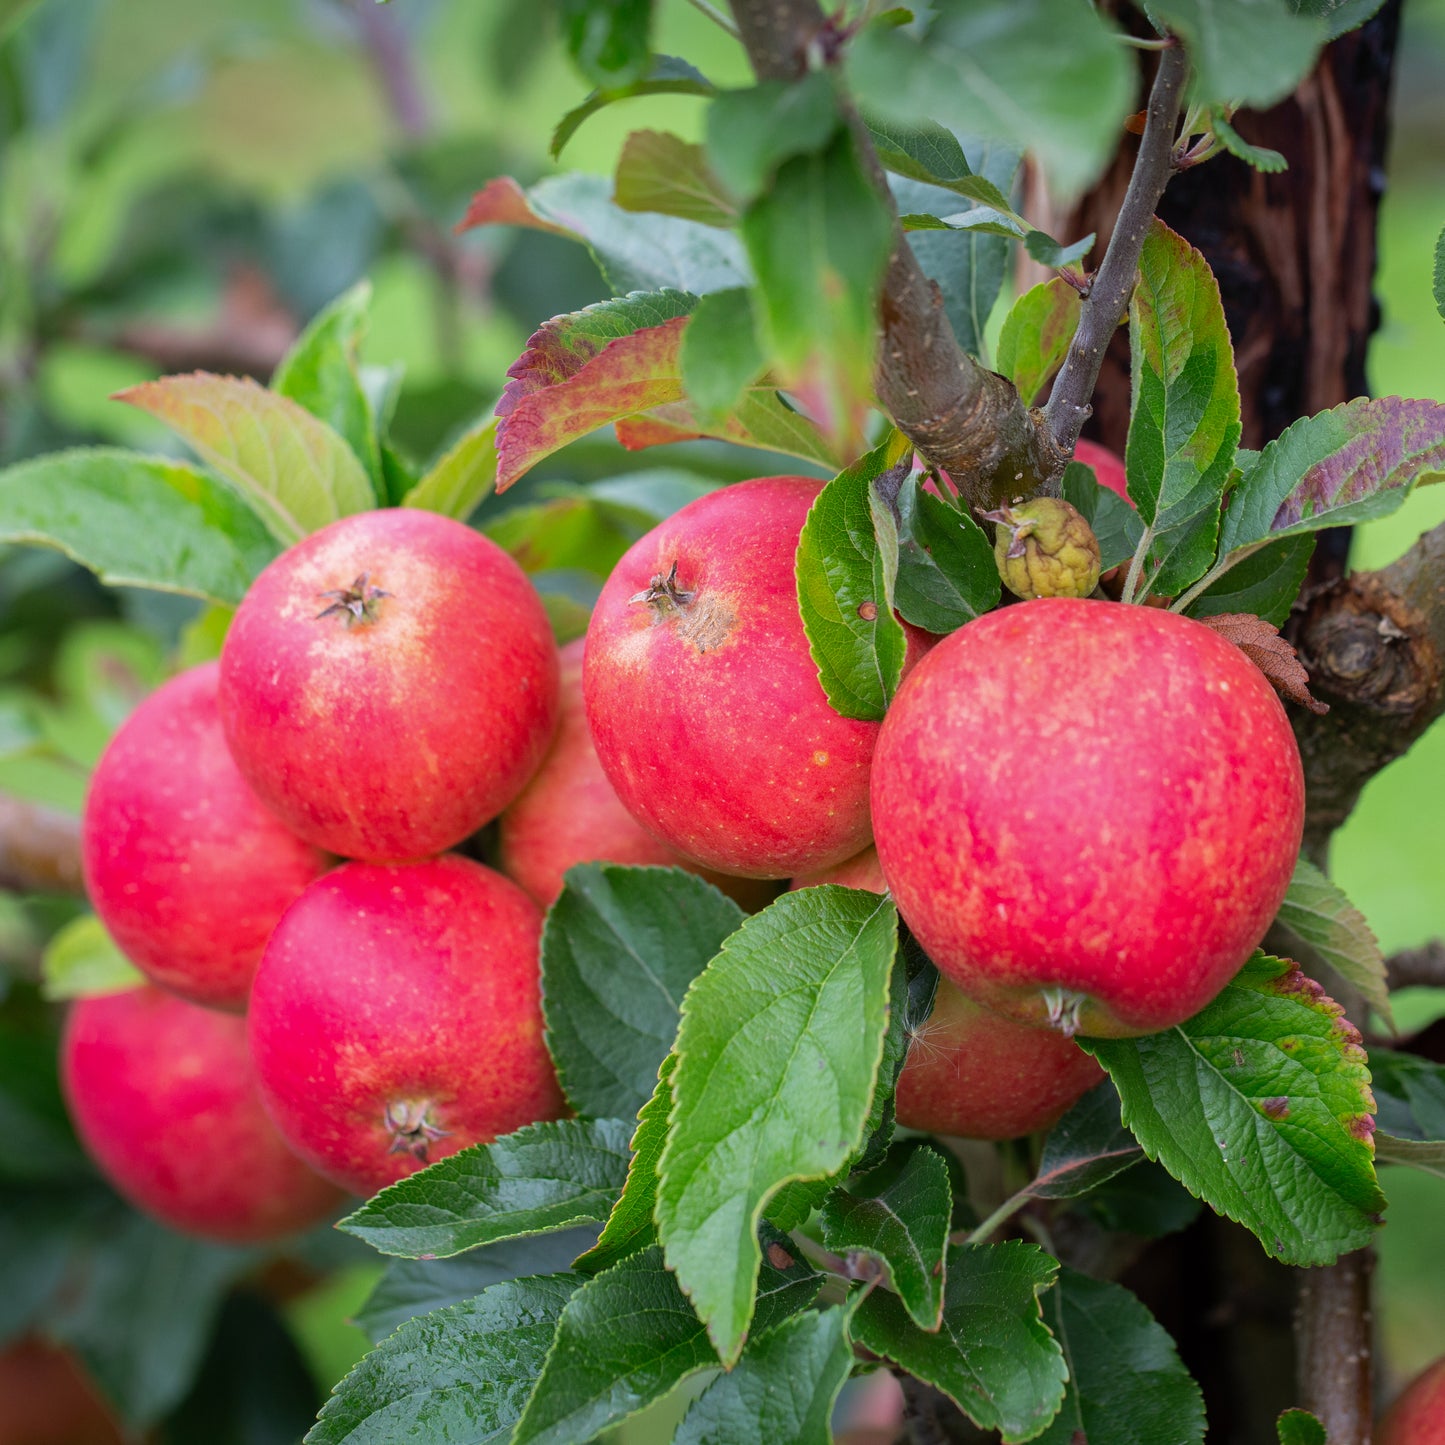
(186, 867)
(1088, 813)
(164, 1099)
(389, 684)
(396, 1018)
(1418, 1415)
(1045, 548)
(973, 1073)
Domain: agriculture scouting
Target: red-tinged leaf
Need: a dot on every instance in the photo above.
(661, 172)
(1353, 463)
(578, 373)
(502, 202)
(636, 433)
(1261, 643)
(295, 470)
(1036, 335)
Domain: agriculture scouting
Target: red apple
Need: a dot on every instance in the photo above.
(164, 1100)
(972, 1073)
(704, 703)
(396, 1018)
(1088, 813)
(389, 684)
(185, 866)
(47, 1399)
(863, 870)
(1418, 1415)
(1108, 468)
(569, 814)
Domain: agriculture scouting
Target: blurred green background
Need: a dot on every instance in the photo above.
(182, 185)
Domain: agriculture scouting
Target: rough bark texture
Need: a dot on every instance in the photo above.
(1332, 1332)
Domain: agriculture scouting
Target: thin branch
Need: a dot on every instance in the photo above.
(390, 53)
(1332, 1334)
(1069, 401)
(39, 848)
(715, 15)
(1422, 967)
(960, 416)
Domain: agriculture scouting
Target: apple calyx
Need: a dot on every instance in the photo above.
(663, 594)
(413, 1129)
(356, 603)
(1064, 1009)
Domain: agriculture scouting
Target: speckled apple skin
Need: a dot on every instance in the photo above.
(164, 1100)
(1108, 468)
(385, 984)
(569, 813)
(862, 870)
(1081, 794)
(1418, 1415)
(712, 725)
(186, 867)
(974, 1074)
(395, 738)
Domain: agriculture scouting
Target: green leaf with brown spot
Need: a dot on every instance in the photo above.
(1036, 335)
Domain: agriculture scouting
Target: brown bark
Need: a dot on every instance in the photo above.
(39, 848)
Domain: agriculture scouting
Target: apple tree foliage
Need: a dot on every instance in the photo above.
(730, 1207)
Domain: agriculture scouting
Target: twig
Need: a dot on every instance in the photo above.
(386, 43)
(1422, 967)
(39, 848)
(1069, 401)
(960, 416)
(1332, 1334)
(715, 15)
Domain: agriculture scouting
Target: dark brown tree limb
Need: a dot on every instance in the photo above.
(1332, 1334)
(1422, 967)
(961, 417)
(1070, 400)
(39, 848)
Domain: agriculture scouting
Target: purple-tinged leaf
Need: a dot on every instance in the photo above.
(1353, 463)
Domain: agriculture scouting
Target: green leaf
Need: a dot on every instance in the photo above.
(459, 482)
(1127, 1384)
(1411, 1095)
(1299, 1427)
(1260, 157)
(1248, 52)
(819, 242)
(1049, 252)
(847, 564)
(82, 959)
(634, 252)
(667, 75)
(660, 172)
(762, 419)
(1036, 335)
(993, 1356)
(1320, 923)
(411, 1287)
(1354, 463)
(1439, 286)
(720, 352)
(751, 133)
(1339, 15)
(461, 1374)
(627, 1338)
(924, 151)
(321, 373)
(1266, 582)
(542, 1177)
(1116, 524)
(1087, 1146)
(294, 470)
(619, 949)
(1047, 76)
(782, 1389)
(1184, 421)
(946, 572)
(137, 521)
(772, 1084)
(581, 371)
(630, 1226)
(899, 1214)
(609, 40)
(1260, 1105)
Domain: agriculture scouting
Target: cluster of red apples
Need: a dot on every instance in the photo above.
(1087, 813)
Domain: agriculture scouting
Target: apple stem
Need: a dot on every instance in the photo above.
(356, 603)
(663, 594)
(413, 1130)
